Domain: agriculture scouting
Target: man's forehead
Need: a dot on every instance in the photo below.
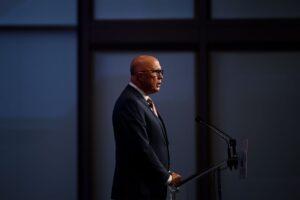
(148, 64)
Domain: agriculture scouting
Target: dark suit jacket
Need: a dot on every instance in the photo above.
(142, 154)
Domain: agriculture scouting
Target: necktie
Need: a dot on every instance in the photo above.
(152, 106)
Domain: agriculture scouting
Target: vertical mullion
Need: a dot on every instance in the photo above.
(85, 182)
(202, 16)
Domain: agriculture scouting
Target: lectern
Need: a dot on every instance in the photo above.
(233, 161)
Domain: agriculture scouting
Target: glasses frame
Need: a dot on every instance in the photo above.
(158, 72)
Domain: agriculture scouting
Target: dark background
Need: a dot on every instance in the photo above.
(62, 64)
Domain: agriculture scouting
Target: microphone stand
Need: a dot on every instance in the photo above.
(231, 162)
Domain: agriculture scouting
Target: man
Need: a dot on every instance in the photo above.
(142, 152)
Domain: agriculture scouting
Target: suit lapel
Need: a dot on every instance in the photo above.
(163, 128)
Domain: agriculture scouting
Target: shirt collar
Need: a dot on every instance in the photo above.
(139, 90)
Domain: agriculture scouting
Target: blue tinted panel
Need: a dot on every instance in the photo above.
(143, 9)
(29, 12)
(255, 9)
(255, 95)
(38, 109)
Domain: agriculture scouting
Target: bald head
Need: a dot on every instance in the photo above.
(146, 73)
(142, 63)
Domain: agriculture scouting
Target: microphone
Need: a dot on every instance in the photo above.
(216, 130)
(232, 161)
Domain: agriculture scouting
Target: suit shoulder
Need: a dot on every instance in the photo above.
(129, 98)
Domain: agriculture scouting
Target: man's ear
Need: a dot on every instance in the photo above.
(140, 76)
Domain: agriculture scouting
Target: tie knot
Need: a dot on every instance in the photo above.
(150, 102)
(152, 106)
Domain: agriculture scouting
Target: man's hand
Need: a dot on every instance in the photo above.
(176, 179)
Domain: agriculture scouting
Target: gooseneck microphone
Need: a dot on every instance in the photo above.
(232, 161)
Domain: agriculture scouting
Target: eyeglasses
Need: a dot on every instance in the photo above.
(158, 72)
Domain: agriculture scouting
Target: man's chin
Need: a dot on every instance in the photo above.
(154, 90)
(157, 89)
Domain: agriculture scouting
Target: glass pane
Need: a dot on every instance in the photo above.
(255, 95)
(255, 9)
(35, 12)
(175, 101)
(38, 109)
(142, 9)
